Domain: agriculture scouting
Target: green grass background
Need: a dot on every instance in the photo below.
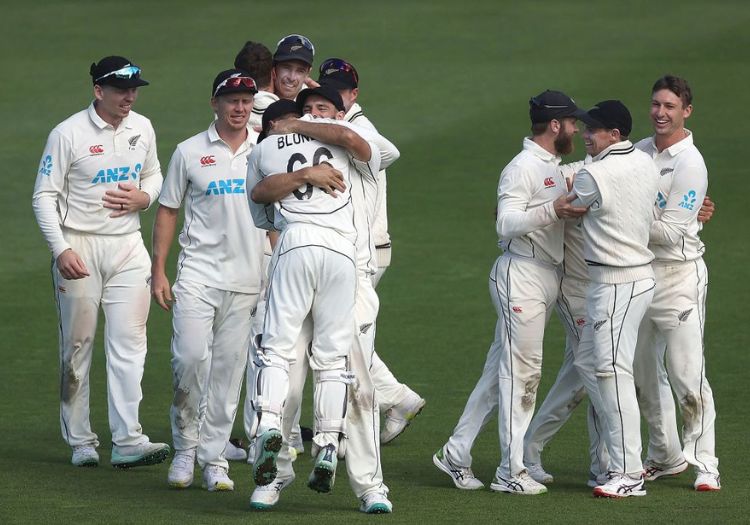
(448, 83)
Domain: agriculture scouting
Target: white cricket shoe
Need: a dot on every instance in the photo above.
(267, 496)
(538, 474)
(399, 416)
(235, 450)
(621, 486)
(521, 484)
(653, 470)
(216, 479)
(180, 475)
(596, 480)
(375, 503)
(139, 455)
(463, 477)
(707, 481)
(85, 456)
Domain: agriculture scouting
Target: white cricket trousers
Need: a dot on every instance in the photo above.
(677, 316)
(615, 312)
(523, 292)
(119, 269)
(568, 390)
(209, 355)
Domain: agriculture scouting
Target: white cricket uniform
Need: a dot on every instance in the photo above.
(362, 429)
(618, 187)
(261, 100)
(83, 158)
(677, 313)
(523, 284)
(216, 289)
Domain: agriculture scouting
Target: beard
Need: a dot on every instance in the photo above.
(564, 143)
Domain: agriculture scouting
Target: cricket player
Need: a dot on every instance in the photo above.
(399, 402)
(256, 59)
(532, 201)
(677, 313)
(307, 214)
(99, 169)
(217, 284)
(618, 187)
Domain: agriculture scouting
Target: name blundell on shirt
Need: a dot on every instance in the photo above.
(290, 140)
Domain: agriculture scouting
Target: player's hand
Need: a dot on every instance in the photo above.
(71, 266)
(161, 291)
(282, 127)
(707, 210)
(309, 82)
(127, 198)
(327, 178)
(565, 210)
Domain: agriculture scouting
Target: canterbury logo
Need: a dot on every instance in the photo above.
(682, 316)
(133, 141)
(549, 182)
(208, 160)
(97, 149)
(599, 324)
(518, 309)
(581, 321)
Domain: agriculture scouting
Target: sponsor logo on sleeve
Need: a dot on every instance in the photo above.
(661, 201)
(688, 200)
(46, 166)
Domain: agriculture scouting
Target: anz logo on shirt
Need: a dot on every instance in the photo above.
(661, 202)
(688, 200)
(226, 187)
(121, 174)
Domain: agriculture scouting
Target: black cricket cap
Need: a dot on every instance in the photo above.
(294, 47)
(277, 110)
(326, 91)
(116, 71)
(552, 105)
(233, 81)
(338, 73)
(609, 114)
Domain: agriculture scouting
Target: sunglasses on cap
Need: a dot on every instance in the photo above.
(336, 64)
(295, 38)
(538, 103)
(125, 72)
(233, 82)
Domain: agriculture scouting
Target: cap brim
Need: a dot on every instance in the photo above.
(288, 57)
(590, 121)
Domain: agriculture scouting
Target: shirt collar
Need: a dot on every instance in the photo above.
(539, 151)
(356, 108)
(100, 123)
(213, 137)
(624, 146)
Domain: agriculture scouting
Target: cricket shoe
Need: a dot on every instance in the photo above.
(324, 472)
(216, 479)
(707, 482)
(653, 470)
(180, 475)
(399, 416)
(265, 497)
(521, 484)
(621, 486)
(538, 474)
(85, 456)
(139, 455)
(375, 503)
(235, 450)
(463, 477)
(267, 447)
(596, 480)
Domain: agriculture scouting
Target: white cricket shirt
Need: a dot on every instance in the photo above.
(527, 224)
(84, 157)
(221, 247)
(261, 100)
(308, 205)
(682, 186)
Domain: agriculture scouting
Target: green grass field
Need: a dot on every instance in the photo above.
(449, 84)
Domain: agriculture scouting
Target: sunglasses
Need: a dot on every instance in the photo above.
(234, 82)
(538, 103)
(125, 72)
(297, 39)
(336, 64)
